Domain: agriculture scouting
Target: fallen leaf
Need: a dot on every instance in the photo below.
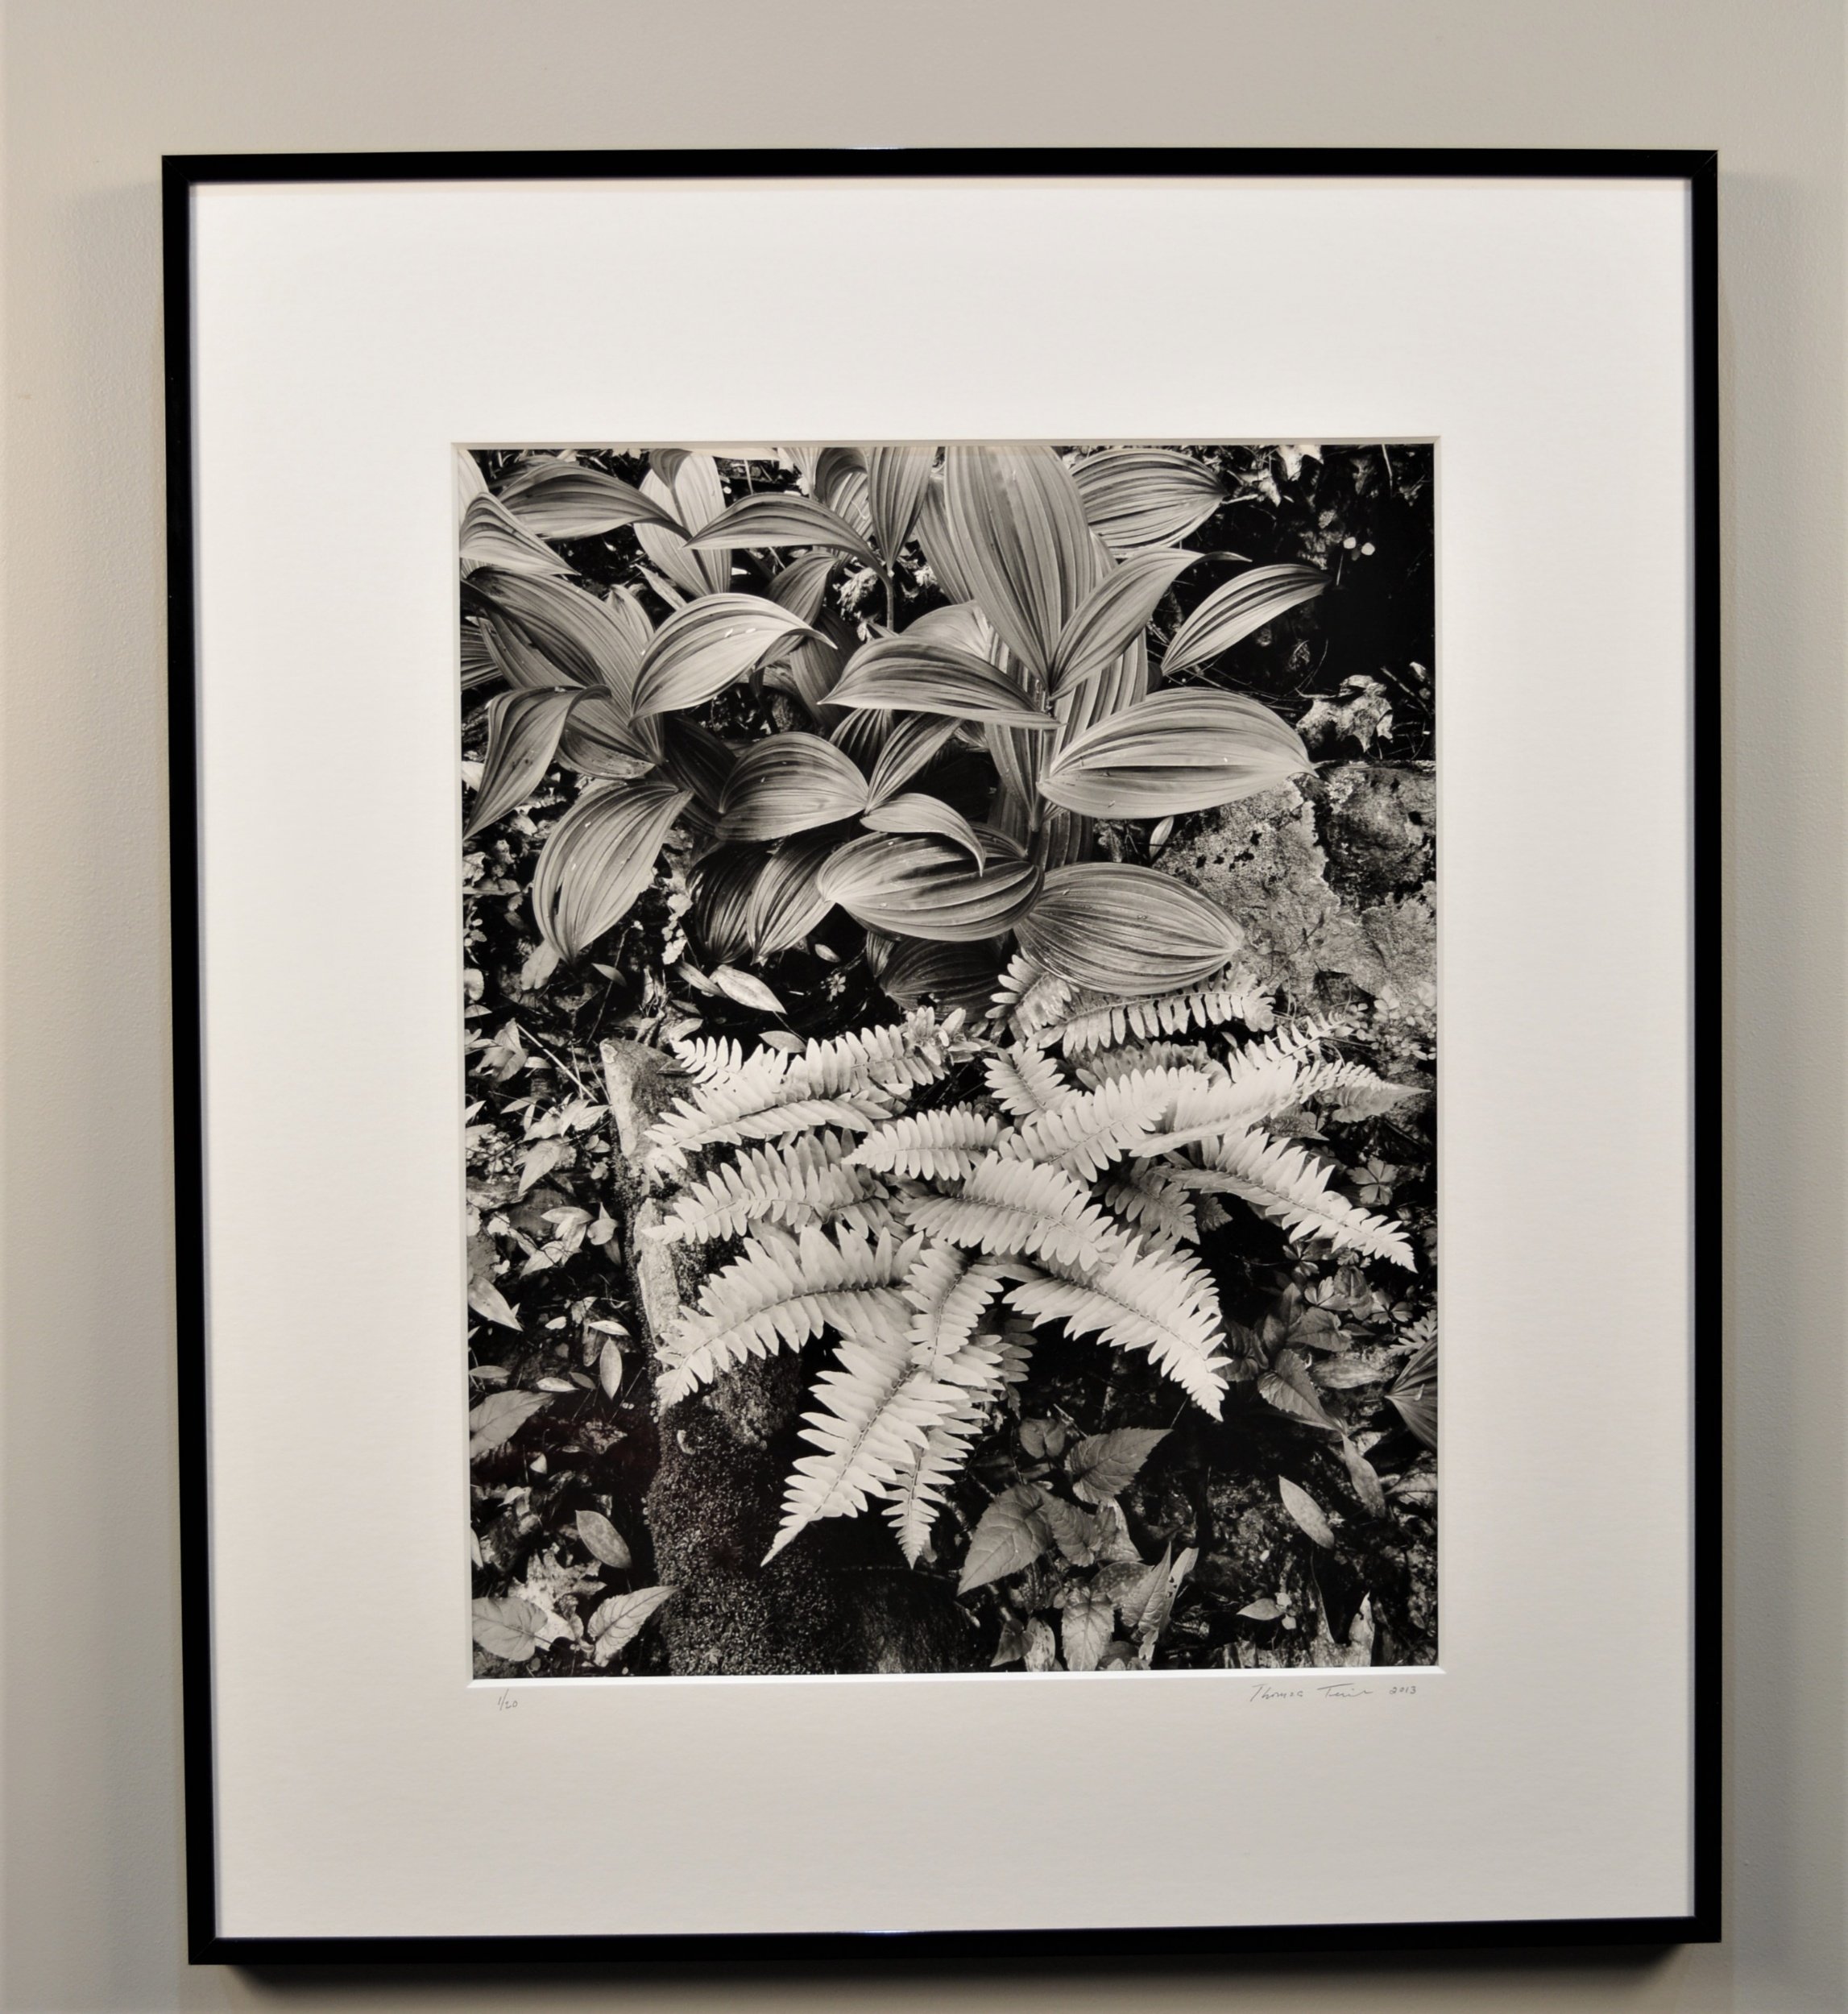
(499, 1417)
(1262, 1611)
(540, 1160)
(747, 990)
(617, 1621)
(1365, 1480)
(1042, 1652)
(488, 1302)
(610, 1367)
(1358, 1649)
(506, 1627)
(602, 1540)
(1084, 1629)
(1306, 1511)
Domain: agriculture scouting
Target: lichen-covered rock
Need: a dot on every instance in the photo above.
(1330, 877)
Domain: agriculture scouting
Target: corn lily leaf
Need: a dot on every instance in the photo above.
(789, 783)
(1127, 931)
(963, 624)
(801, 585)
(1139, 497)
(721, 885)
(478, 666)
(599, 857)
(1246, 602)
(1181, 749)
(782, 518)
(565, 500)
(863, 736)
(913, 745)
(1113, 615)
(1014, 523)
(837, 478)
(951, 975)
(896, 674)
(915, 812)
(923, 887)
(700, 649)
(600, 740)
(896, 480)
(492, 536)
(809, 671)
(696, 760)
(686, 490)
(522, 731)
(588, 640)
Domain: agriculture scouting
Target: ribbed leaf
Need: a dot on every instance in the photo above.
(780, 518)
(951, 975)
(600, 739)
(599, 857)
(1182, 749)
(1245, 604)
(565, 500)
(492, 536)
(1113, 615)
(700, 649)
(1135, 497)
(686, 487)
(789, 783)
(912, 746)
(922, 886)
(801, 585)
(898, 673)
(783, 903)
(914, 812)
(590, 641)
(523, 731)
(694, 758)
(896, 480)
(1127, 931)
(1016, 524)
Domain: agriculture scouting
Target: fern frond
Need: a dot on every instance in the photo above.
(799, 1182)
(782, 1293)
(902, 1054)
(1159, 1302)
(1097, 1023)
(919, 1489)
(929, 1146)
(1264, 1080)
(1018, 979)
(1156, 1203)
(1023, 1081)
(1087, 1129)
(765, 1100)
(1284, 1183)
(1026, 1207)
(878, 1406)
(950, 1292)
(709, 1058)
(1105, 1066)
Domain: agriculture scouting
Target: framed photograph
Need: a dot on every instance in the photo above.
(945, 1084)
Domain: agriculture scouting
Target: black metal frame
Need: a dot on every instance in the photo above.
(181, 174)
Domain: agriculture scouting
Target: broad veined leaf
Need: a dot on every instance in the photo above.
(499, 1417)
(565, 500)
(896, 480)
(522, 731)
(780, 518)
(602, 1540)
(492, 536)
(1182, 749)
(700, 649)
(1012, 1534)
(592, 642)
(951, 975)
(1105, 1465)
(1414, 1394)
(1125, 931)
(915, 812)
(1084, 1628)
(1135, 497)
(1113, 615)
(787, 783)
(1305, 1511)
(898, 674)
(801, 585)
(687, 488)
(923, 887)
(614, 1624)
(507, 1626)
(747, 989)
(1246, 602)
(1016, 523)
(598, 858)
(912, 746)
(694, 758)
(1262, 1611)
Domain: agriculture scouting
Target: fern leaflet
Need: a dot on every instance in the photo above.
(918, 1492)
(931, 1147)
(1101, 1023)
(1283, 1181)
(1087, 1129)
(1023, 1081)
(904, 1054)
(950, 1292)
(1023, 1207)
(1156, 1203)
(763, 1101)
(798, 1184)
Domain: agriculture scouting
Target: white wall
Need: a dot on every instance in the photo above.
(95, 90)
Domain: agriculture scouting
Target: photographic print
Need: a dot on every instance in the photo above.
(949, 995)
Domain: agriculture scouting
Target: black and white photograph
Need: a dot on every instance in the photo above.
(949, 1008)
